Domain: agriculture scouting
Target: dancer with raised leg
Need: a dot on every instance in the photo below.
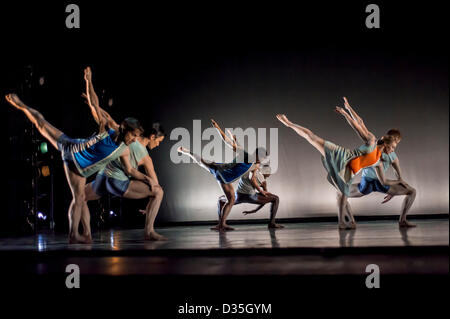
(370, 183)
(344, 164)
(227, 173)
(82, 157)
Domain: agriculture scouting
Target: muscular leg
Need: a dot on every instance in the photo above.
(196, 158)
(138, 190)
(410, 193)
(346, 219)
(262, 200)
(89, 194)
(220, 203)
(229, 194)
(307, 134)
(77, 185)
(354, 193)
(47, 130)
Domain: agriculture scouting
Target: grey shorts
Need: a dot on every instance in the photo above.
(103, 185)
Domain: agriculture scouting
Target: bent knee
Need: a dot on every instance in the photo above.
(411, 191)
(158, 191)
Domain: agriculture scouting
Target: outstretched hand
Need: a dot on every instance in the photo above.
(214, 123)
(346, 104)
(88, 74)
(339, 110)
(387, 198)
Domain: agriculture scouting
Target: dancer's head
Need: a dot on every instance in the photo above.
(260, 154)
(395, 133)
(130, 129)
(387, 144)
(155, 135)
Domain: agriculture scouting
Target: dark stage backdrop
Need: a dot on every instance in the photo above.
(242, 74)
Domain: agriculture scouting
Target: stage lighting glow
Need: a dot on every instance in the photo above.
(41, 215)
(43, 147)
(111, 213)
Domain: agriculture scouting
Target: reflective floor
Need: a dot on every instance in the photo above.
(294, 235)
(299, 249)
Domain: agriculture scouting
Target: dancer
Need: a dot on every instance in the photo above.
(82, 157)
(370, 183)
(227, 173)
(343, 164)
(113, 180)
(252, 189)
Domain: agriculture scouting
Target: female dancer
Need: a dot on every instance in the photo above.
(113, 179)
(227, 173)
(82, 157)
(343, 164)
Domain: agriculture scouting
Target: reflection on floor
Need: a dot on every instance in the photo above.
(300, 248)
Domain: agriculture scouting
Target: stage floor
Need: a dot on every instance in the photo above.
(299, 249)
(294, 236)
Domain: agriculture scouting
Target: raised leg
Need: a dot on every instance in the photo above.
(307, 134)
(196, 158)
(47, 130)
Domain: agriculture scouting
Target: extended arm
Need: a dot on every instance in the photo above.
(92, 100)
(362, 132)
(356, 122)
(230, 142)
(99, 114)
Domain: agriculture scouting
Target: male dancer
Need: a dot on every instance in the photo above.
(252, 189)
(115, 177)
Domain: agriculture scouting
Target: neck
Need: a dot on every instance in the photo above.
(143, 140)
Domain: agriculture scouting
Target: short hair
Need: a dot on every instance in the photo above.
(156, 129)
(394, 132)
(130, 124)
(386, 139)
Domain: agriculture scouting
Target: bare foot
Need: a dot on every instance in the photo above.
(79, 239)
(183, 150)
(248, 212)
(275, 225)
(405, 224)
(283, 119)
(222, 228)
(216, 228)
(227, 228)
(154, 236)
(347, 226)
(88, 238)
(14, 100)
